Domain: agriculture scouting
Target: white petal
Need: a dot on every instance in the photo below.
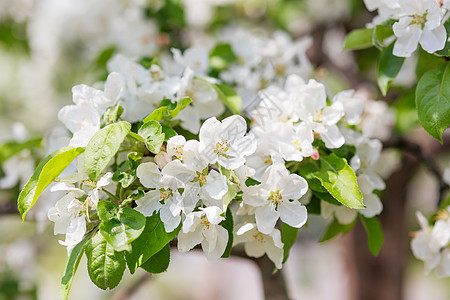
(266, 218)
(408, 36)
(333, 138)
(433, 40)
(254, 248)
(293, 213)
(149, 175)
(220, 246)
(373, 204)
(149, 203)
(187, 241)
(216, 185)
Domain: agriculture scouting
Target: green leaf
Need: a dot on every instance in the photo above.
(168, 132)
(228, 225)
(288, 237)
(45, 173)
(388, 68)
(426, 62)
(125, 174)
(112, 114)
(326, 197)
(221, 57)
(313, 207)
(335, 228)
(122, 231)
(71, 267)
(168, 110)
(405, 108)
(135, 136)
(151, 241)
(229, 97)
(159, 262)
(339, 180)
(103, 146)
(153, 136)
(374, 232)
(9, 149)
(359, 39)
(433, 100)
(105, 266)
(307, 171)
(381, 32)
(107, 210)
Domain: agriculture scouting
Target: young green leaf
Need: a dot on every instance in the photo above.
(112, 114)
(44, 174)
(381, 33)
(107, 210)
(338, 178)
(71, 267)
(103, 146)
(229, 97)
(168, 110)
(168, 132)
(153, 136)
(335, 228)
(228, 225)
(159, 262)
(433, 100)
(105, 266)
(359, 39)
(121, 231)
(388, 68)
(221, 56)
(307, 171)
(9, 149)
(288, 237)
(152, 240)
(374, 232)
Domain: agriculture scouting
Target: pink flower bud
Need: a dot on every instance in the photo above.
(162, 159)
(315, 154)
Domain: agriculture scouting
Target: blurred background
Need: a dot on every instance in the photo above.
(48, 46)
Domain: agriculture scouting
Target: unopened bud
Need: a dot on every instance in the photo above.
(162, 159)
(315, 154)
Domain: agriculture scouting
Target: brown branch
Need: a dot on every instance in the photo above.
(8, 208)
(417, 151)
(132, 289)
(274, 284)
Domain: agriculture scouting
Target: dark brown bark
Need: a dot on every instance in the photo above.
(381, 277)
(274, 284)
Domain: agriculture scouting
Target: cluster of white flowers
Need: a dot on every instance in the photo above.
(432, 243)
(263, 60)
(417, 21)
(193, 182)
(286, 122)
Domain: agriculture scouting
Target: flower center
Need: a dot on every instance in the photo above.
(205, 223)
(164, 194)
(267, 160)
(178, 152)
(318, 115)
(259, 237)
(222, 147)
(419, 19)
(443, 214)
(275, 197)
(297, 145)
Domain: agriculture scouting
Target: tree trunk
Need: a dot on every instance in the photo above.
(381, 277)
(274, 284)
